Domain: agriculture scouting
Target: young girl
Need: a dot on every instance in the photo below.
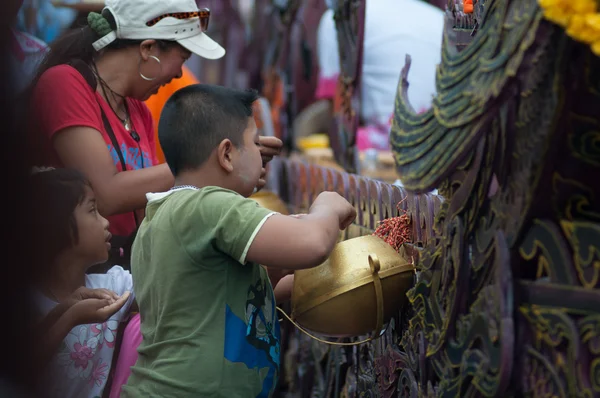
(81, 312)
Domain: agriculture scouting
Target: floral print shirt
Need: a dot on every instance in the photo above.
(81, 366)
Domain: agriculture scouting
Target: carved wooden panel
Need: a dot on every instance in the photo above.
(318, 370)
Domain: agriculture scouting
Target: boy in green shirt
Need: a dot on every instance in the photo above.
(208, 315)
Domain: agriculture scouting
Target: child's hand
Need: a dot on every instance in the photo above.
(85, 293)
(337, 204)
(95, 310)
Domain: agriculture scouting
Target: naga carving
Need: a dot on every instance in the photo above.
(508, 300)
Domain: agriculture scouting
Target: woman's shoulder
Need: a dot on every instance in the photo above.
(63, 76)
(64, 71)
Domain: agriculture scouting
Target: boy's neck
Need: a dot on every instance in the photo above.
(203, 177)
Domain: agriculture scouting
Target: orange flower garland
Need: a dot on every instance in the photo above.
(580, 18)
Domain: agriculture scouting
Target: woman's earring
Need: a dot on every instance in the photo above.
(148, 79)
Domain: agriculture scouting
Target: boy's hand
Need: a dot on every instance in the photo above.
(95, 310)
(269, 147)
(339, 205)
(262, 181)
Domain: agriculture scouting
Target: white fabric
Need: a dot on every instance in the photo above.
(154, 196)
(131, 18)
(80, 369)
(393, 28)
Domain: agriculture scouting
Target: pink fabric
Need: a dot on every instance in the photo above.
(132, 337)
(370, 137)
(326, 87)
(374, 136)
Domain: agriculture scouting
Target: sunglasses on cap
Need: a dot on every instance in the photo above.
(203, 14)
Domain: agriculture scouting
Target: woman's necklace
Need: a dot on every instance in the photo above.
(126, 122)
(103, 85)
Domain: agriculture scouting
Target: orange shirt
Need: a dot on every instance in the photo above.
(158, 100)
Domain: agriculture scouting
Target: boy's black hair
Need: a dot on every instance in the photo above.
(197, 118)
(55, 194)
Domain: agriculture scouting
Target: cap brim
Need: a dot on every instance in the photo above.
(203, 46)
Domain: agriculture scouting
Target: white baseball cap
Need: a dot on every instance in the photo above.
(173, 20)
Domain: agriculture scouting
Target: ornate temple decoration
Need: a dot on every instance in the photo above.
(507, 302)
(461, 23)
(349, 18)
(275, 68)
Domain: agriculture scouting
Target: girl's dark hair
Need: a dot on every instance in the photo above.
(76, 44)
(55, 194)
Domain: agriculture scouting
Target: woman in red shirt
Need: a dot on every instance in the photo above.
(88, 100)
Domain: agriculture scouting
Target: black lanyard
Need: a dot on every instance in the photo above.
(89, 77)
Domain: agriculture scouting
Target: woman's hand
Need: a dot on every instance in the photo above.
(269, 148)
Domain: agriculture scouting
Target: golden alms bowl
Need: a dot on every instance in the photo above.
(270, 200)
(360, 287)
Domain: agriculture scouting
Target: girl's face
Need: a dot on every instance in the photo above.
(93, 244)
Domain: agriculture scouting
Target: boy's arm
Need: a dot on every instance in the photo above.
(292, 242)
(247, 232)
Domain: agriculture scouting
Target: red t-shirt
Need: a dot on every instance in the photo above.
(62, 98)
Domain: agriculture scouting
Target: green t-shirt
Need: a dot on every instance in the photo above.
(208, 318)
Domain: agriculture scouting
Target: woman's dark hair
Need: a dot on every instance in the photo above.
(77, 44)
(55, 194)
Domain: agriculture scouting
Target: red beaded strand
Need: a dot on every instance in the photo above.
(395, 230)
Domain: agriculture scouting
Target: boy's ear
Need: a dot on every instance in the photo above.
(225, 155)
